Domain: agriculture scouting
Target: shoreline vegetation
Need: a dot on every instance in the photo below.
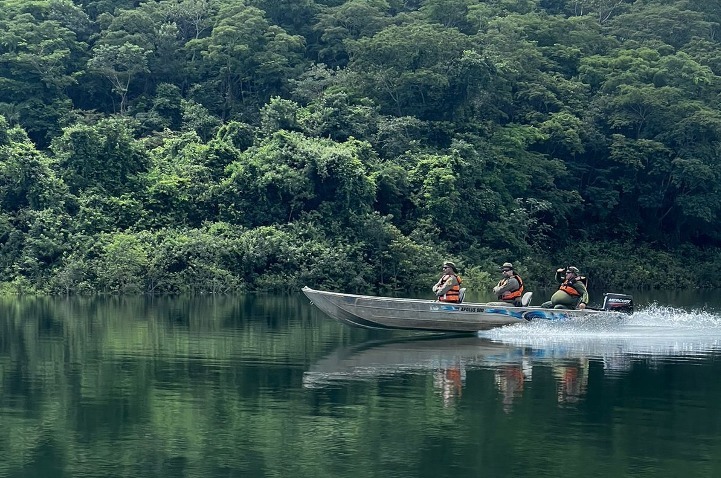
(217, 147)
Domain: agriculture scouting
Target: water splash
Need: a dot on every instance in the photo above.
(663, 316)
(655, 330)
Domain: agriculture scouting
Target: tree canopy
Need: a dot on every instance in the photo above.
(220, 145)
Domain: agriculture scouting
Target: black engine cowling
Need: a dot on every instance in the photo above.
(618, 303)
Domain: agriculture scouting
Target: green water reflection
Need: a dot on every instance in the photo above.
(257, 386)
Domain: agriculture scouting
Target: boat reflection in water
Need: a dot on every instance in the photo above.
(447, 358)
(566, 348)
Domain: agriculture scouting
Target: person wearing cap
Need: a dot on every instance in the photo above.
(448, 287)
(510, 288)
(571, 294)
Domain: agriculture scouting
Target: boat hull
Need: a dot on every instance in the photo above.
(429, 315)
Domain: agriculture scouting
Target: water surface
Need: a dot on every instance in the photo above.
(257, 386)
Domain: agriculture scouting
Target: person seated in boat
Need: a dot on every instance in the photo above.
(510, 288)
(572, 293)
(448, 287)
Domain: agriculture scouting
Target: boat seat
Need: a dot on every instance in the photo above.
(526, 299)
(461, 295)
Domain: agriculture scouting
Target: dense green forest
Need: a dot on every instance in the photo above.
(211, 146)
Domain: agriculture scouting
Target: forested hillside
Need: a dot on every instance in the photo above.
(228, 145)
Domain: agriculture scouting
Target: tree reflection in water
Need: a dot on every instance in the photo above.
(262, 386)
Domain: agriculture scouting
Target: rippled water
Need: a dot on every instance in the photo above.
(653, 330)
(268, 387)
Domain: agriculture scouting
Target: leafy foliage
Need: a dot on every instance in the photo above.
(208, 146)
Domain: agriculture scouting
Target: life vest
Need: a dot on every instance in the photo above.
(568, 288)
(454, 293)
(513, 294)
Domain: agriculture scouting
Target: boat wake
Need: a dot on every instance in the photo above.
(654, 330)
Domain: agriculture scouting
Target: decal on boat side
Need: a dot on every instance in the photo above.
(540, 314)
(517, 314)
(444, 307)
(471, 309)
(512, 313)
(448, 307)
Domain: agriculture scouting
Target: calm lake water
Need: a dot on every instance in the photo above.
(258, 386)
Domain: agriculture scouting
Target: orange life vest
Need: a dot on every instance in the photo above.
(454, 293)
(513, 294)
(568, 288)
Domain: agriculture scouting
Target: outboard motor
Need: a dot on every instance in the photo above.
(618, 303)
